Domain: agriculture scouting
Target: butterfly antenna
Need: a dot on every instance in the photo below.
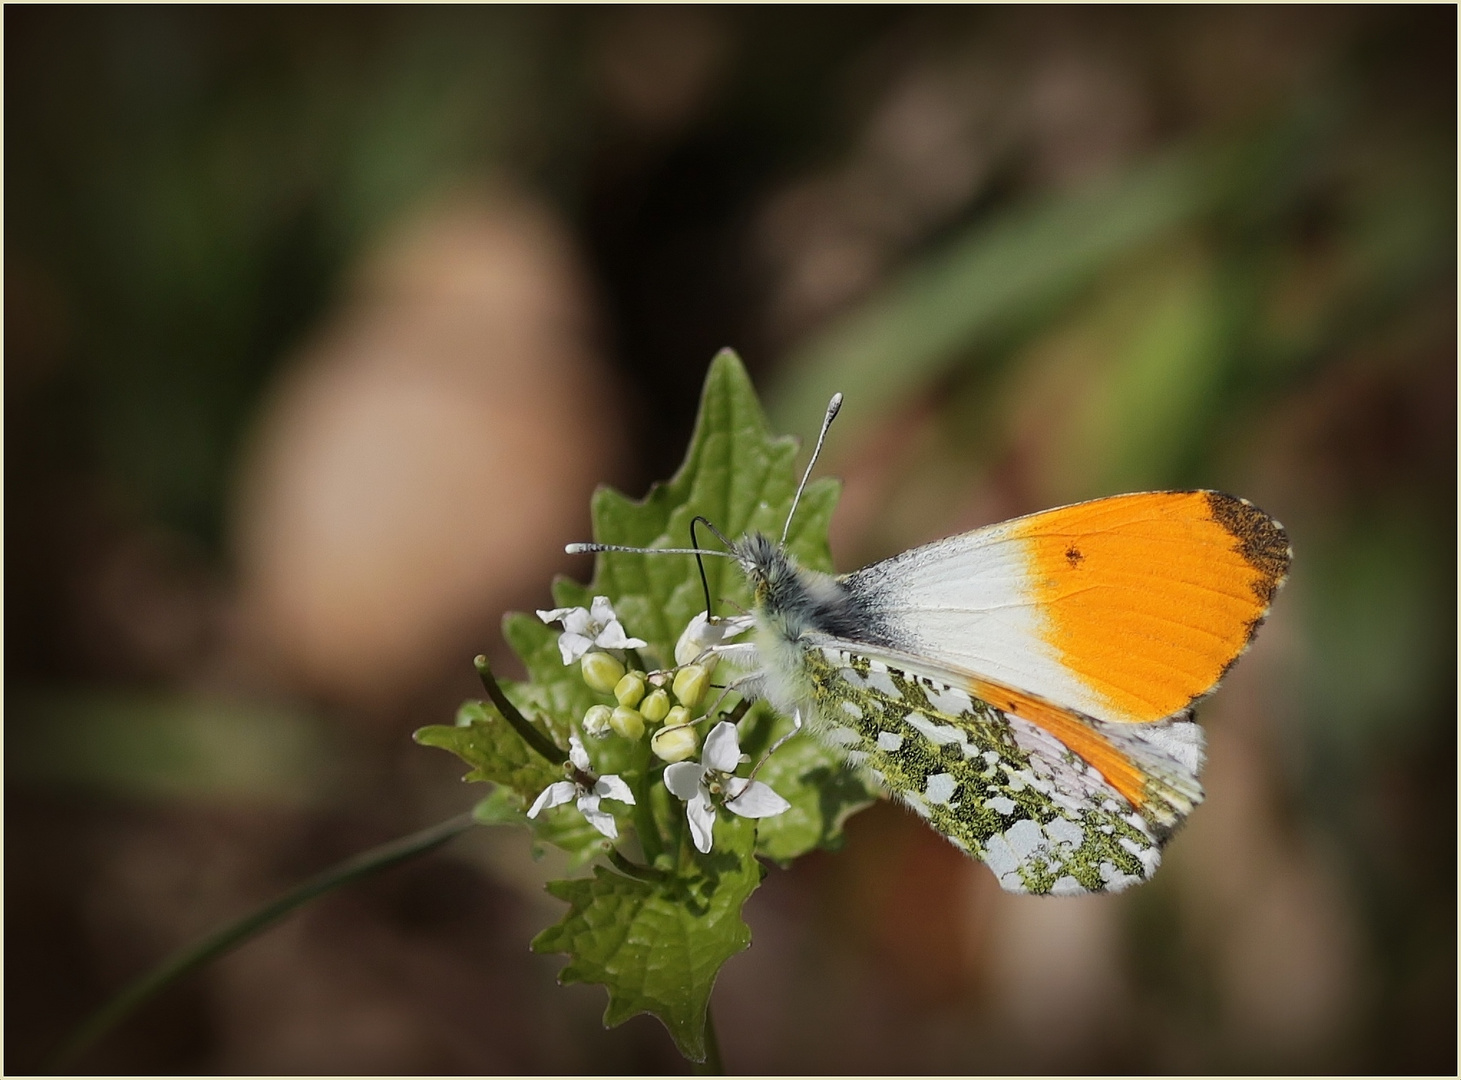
(832, 407)
(695, 544)
(585, 549)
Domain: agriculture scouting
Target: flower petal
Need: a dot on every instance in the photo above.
(704, 633)
(572, 645)
(693, 641)
(613, 636)
(722, 748)
(612, 787)
(577, 754)
(588, 806)
(683, 779)
(757, 800)
(702, 821)
(601, 611)
(556, 614)
(553, 795)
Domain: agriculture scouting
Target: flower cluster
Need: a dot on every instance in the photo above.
(598, 643)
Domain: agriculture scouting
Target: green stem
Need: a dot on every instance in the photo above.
(735, 715)
(235, 934)
(712, 1065)
(629, 868)
(651, 841)
(531, 735)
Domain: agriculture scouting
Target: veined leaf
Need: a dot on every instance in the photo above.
(658, 946)
(656, 941)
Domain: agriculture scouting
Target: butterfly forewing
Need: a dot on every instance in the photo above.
(1001, 788)
(1126, 609)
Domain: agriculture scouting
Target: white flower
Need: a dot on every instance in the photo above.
(706, 633)
(585, 629)
(587, 790)
(695, 784)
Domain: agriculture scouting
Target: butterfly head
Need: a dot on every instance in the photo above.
(792, 600)
(768, 567)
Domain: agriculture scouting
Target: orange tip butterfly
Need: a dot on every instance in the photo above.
(1025, 688)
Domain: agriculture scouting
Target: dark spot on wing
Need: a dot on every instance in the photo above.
(1073, 556)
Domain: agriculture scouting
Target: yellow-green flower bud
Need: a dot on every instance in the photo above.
(655, 707)
(630, 689)
(674, 743)
(690, 684)
(601, 671)
(596, 721)
(677, 716)
(627, 722)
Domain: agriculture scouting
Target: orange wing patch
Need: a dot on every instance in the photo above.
(1095, 749)
(1149, 598)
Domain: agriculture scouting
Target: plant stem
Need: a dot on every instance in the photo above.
(236, 933)
(531, 735)
(712, 1065)
(629, 868)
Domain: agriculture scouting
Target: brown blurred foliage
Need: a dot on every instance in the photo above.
(322, 324)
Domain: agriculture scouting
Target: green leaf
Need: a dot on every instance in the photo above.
(554, 695)
(497, 753)
(657, 946)
(738, 476)
(502, 807)
(742, 478)
(823, 794)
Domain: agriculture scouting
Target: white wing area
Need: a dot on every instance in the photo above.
(966, 601)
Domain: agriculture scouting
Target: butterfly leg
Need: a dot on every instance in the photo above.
(796, 726)
(748, 686)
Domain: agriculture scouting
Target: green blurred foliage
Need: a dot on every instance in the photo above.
(160, 748)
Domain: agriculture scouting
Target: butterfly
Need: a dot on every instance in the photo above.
(1026, 688)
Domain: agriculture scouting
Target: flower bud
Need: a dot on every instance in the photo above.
(596, 721)
(705, 633)
(601, 671)
(694, 640)
(630, 689)
(627, 722)
(655, 707)
(690, 684)
(674, 743)
(677, 716)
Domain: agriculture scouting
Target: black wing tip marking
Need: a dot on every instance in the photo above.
(1262, 541)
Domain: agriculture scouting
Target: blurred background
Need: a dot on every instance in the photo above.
(322, 324)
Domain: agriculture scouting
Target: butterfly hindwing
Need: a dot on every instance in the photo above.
(1000, 788)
